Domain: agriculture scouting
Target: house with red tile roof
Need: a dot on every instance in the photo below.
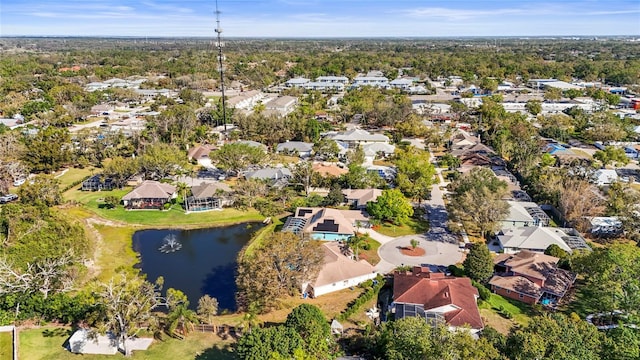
(436, 298)
(530, 277)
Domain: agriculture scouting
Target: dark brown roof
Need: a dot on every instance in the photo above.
(200, 151)
(433, 290)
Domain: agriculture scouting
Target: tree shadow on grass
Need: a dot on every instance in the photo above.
(217, 353)
(57, 332)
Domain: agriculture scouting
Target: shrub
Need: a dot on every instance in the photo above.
(485, 294)
(365, 297)
(111, 201)
(167, 206)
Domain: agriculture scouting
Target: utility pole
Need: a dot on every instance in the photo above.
(220, 68)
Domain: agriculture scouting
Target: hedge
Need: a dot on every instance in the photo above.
(365, 297)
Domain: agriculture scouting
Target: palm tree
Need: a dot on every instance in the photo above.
(181, 318)
(356, 241)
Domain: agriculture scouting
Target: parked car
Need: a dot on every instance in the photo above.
(19, 182)
(8, 198)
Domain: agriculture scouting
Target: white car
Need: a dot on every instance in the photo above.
(19, 182)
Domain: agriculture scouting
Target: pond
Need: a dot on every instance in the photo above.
(197, 262)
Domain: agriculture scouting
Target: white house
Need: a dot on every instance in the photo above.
(604, 177)
(339, 271)
(296, 82)
(246, 100)
(357, 137)
(303, 149)
(377, 81)
(532, 238)
(524, 213)
(283, 104)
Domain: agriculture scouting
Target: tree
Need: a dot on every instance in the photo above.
(42, 190)
(120, 169)
(47, 150)
(392, 206)
(326, 149)
(622, 200)
(555, 336)
(303, 175)
(612, 278)
(334, 197)
(356, 242)
(414, 243)
(247, 192)
(267, 343)
(355, 156)
(611, 154)
(160, 160)
(413, 338)
(555, 251)
(181, 319)
(359, 178)
(477, 200)
(415, 173)
(578, 200)
(309, 321)
(552, 94)
(207, 308)
(534, 107)
(284, 262)
(128, 303)
(478, 265)
(237, 156)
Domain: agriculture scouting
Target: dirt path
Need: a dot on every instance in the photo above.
(98, 240)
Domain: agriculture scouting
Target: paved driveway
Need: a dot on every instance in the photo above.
(436, 253)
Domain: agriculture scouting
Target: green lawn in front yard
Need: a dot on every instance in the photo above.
(371, 255)
(175, 217)
(6, 345)
(47, 343)
(410, 227)
(74, 175)
(520, 311)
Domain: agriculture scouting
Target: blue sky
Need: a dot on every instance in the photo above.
(320, 18)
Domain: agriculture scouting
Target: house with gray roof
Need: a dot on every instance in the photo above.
(302, 149)
(538, 239)
(274, 174)
(524, 213)
(326, 224)
(208, 196)
(357, 137)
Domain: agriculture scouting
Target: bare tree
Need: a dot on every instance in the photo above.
(128, 305)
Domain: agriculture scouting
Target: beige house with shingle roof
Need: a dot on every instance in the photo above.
(150, 195)
(339, 272)
(358, 198)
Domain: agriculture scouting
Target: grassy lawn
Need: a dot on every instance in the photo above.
(47, 343)
(371, 255)
(410, 227)
(74, 174)
(521, 312)
(175, 217)
(6, 346)
(257, 240)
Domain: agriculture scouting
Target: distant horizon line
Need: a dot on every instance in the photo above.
(213, 37)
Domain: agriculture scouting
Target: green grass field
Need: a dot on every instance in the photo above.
(521, 312)
(74, 175)
(410, 227)
(6, 346)
(371, 255)
(175, 217)
(47, 343)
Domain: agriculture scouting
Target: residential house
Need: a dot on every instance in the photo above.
(538, 239)
(357, 137)
(632, 152)
(530, 277)
(339, 271)
(282, 105)
(97, 183)
(523, 213)
(324, 86)
(253, 144)
(246, 100)
(200, 154)
(604, 177)
(605, 226)
(269, 173)
(149, 195)
(149, 94)
(359, 198)
(329, 169)
(208, 196)
(302, 149)
(403, 84)
(376, 81)
(101, 109)
(436, 298)
(296, 82)
(377, 149)
(326, 224)
(333, 79)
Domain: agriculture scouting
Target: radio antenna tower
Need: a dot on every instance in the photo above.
(220, 68)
